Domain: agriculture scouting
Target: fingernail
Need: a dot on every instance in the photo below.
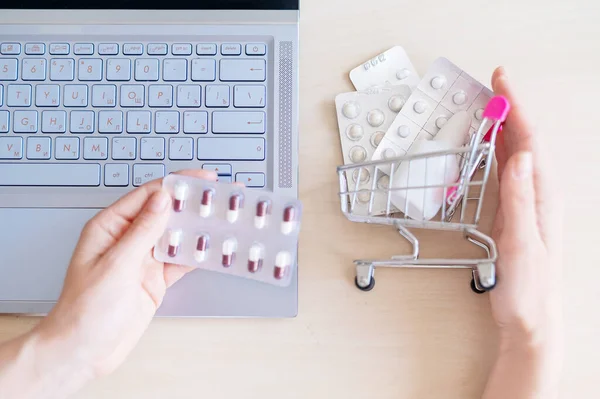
(502, 72)
(159, 202)
(524, 166)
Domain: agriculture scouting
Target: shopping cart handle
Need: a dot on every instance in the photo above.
(497, 109)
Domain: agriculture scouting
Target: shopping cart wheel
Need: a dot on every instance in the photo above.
(474, 287)
(367, 287)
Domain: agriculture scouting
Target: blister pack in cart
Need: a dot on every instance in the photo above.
(231, 229)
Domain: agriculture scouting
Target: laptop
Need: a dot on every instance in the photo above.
(98, 97)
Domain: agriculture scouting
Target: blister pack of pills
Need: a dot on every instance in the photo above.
(363, 119)
(444, 90)
(390, 67)
(231, 229)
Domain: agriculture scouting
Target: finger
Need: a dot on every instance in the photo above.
(173, 273)
(501, 157)
(518, 198)
(146, 228)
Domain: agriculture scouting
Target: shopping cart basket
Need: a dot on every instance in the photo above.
(460, 210)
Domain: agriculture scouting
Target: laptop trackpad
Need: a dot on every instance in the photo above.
(35, 249)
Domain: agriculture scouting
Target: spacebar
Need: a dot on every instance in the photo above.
(49, 174)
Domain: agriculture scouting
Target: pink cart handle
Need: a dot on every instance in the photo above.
(497, 108)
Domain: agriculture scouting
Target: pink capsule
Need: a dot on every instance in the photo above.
(174, 241)
(255, 258)
(283, 261)
(263, 208)
(180, 195)
(236, 201)
(206, 203)
(229, 247)
(201, 248)
(289, 220)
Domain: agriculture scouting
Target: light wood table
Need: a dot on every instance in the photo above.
(418, 334)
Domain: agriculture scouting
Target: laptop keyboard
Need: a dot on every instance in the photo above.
(121, 114)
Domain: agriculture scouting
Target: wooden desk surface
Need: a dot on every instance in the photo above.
(419, 334)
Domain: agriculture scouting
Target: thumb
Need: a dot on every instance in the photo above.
(517, 196)
(147, 227)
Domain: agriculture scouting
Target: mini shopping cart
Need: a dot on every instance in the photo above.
(460, 210)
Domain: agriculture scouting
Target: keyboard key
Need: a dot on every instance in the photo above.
(146, 69)
(90, 69)
(188, 96)
(206, 49)
(1, 94)
(220, 168)
(133, 49)
(157, 49)
(62, 69)
(174, 70)
(242, 70)
(25, 121)
(83, 48)
(38, 147)
(10, 48)
(4, 121)
(76, 96)
(116, 174)
(132, 95)
(217, 96)
(181, 148)
(59, 48)
(256, 49)
(118, 69)
(33, 69)
(67, 148)
(195, 122)
(95, 148)
(138, 121)
(8, 69)
(143, 173)
(152, 148)
(110, 121)
(82, 122)
(35, 48)
(231, 148)
(108, 49)
(167, 122)
(104, 95)
(123, 148)
(181, 49)
(18, 96)
(54, 121)
(231, 49)
(238, 122)
(203, 70)
(10, 148)
(250, 179)
(47, 95)
(246, 96)
(49, 174)
(160, 96)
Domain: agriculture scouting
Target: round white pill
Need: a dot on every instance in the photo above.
(402, 73)
(389, 153)
(375, 118)
(479, 114)
(376, 138)
(420, 107)
(396, 103)
(355, 132)
(364, 175)
(351, 109)
(364, 196)
(438, 82)
(403, 131)
(358, 154)
(459, 98)
(383, 182)
(441, 121)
